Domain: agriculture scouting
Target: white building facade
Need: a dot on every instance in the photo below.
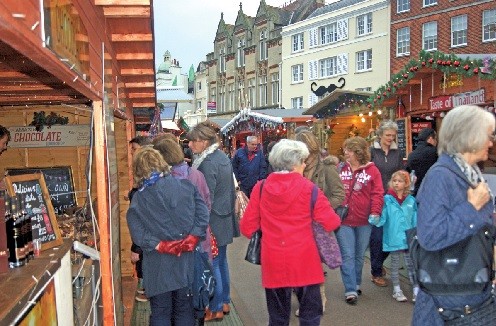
(345, 44)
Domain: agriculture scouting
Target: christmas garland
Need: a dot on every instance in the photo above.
(40, 120)
(447, 63)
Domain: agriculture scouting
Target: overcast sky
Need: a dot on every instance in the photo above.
(187, 27)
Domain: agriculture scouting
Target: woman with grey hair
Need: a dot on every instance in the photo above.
(455, 202)
(280, 207)
(387, 158)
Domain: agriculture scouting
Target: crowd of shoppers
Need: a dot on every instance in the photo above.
(450, 201)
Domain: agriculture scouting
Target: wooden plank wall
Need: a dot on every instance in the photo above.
(76, 157)
(343, 126)
(122, 152)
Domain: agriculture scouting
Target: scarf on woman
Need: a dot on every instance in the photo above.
(472, 172)
(154, 177)
(209, 150)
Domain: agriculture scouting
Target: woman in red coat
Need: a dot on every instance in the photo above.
(280, 206)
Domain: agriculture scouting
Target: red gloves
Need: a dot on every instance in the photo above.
(176, 247)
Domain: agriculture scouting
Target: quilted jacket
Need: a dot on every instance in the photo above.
(444, 218)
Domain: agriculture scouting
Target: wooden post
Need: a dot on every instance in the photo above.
(103, 209)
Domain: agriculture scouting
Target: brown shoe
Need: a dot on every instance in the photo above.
(226, 309)
(379, 281)
(141, 297)
(211, 316)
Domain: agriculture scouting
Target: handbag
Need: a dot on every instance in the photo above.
(241, 203)
(464, 268)
(203, 285)
(342, 211)
(254, 248)
(253, 253)
(482, 315)
(328, 247)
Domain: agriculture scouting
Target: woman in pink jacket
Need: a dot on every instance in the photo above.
(280, 207)
(364, 196)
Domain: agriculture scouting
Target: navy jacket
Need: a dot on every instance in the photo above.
(444, 218)
(168, 210)
(249, 172)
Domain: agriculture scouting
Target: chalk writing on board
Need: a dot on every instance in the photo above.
(32, 189)
(59, 183)
(401, 137)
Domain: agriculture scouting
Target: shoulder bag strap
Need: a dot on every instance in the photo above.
(315, 192)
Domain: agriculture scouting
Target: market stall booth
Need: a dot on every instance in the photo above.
(71, 74)
(268, 124)
(343, 114)
(429, 86)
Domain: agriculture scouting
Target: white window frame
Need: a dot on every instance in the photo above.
(198, 105)
(428, 3)
(262, 90)
(222, 97)
(262, 46)
(489, 25)
(275, 87)
(240, 58)
(213, 94)
(297, 44)
(429, 36)
(364, 24)
(402, 6)
(251, 91)
(328, 34)
(328, 67)
(364, 60)
(459, 29)
(231, 96)
(297, 73)
(222, 59)
(199, 86)
(297, 102)
(403, 41)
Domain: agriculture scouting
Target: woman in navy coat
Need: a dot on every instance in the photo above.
(454, 202)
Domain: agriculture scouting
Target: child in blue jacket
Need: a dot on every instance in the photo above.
(399, 214)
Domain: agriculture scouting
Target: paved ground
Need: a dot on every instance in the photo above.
(375, 307)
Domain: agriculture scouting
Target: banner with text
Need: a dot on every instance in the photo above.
(56, 136)
(445, 102)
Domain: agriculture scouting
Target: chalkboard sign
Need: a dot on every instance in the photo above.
(59, 183)
(402, 140)
(33, 189)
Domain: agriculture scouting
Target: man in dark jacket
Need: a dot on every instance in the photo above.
(423, 157)
(249, 165)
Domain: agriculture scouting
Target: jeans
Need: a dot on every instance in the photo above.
(222, 287)
(279, 305)
(172, 308)
(353, 241)
(377, 256)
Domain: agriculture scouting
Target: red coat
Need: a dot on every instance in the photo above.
(368, 193)
(289, 252)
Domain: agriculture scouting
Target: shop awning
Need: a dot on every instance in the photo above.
(338, 101)
(247, 114)
(174, 95)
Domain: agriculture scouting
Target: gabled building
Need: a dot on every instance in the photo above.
(244, 68)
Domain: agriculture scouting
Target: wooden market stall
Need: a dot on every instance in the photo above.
(268, 124)
(429, 86)
(71, 74)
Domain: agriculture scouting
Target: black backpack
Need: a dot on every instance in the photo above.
(463, 268)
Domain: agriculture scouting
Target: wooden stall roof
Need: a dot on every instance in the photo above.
(30, 75)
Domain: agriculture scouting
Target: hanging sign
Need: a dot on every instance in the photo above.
(55, 136)
(445, 102)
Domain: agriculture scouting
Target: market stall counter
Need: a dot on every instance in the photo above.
(39, 293)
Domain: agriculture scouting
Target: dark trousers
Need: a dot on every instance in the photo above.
(377, 256)
(172, 308)
(279, 305)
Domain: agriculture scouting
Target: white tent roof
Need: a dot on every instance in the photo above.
(169, 124)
